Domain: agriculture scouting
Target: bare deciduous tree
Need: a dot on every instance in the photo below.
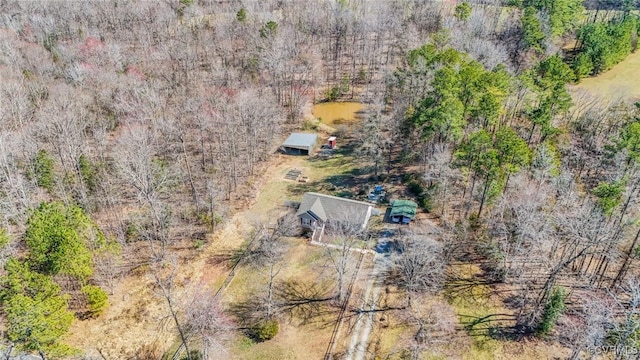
(341, 243)
(163, 273)
(417, 264)
(267, 250)
(587, 326)
(206, 322)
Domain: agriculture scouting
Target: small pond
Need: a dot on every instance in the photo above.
(337, 113)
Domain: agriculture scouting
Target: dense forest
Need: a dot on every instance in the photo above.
(132, 130)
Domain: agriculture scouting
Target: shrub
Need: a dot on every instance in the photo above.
(132, 232)
(42, 170)
(269, 29)
(609, 195)
(341, 131)
(193, 355)
(417, 187)
(552, 310)
(211, 221)
(265, 330)
(334, 93)
(4, 238)
(344, 84)
(96, 298)
(583, 66)
(463, 11)
(88, 172)
(311, 124)
(241, 16)
(362, 75)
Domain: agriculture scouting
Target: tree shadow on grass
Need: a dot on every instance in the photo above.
(336, 160)
(346, 185)
(332, 184)
(247, 313)
(306, 302)
(227, 258)
(250, 317)
(503, 327)
(301, 188)
(498, 326)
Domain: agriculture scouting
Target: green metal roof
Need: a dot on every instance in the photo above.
(406, 208)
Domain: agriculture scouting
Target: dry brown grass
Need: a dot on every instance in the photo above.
(298, 338)
(292, 342)
(137, 316)
(619, 83)
(133, 321)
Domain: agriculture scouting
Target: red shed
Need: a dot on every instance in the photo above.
(332, 142)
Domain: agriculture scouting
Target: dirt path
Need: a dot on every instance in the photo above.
(364, 324)
(335, 336)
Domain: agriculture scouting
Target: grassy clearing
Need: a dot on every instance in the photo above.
(473, 304)
(298, 337)
(619, 83)
(131, 323)
(335, 176)
(275, 189)
(302, 335)
(478, 302)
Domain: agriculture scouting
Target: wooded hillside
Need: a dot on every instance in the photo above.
(129, 130)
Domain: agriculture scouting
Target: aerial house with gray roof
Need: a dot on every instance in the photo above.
(299, 144)
(317, 210)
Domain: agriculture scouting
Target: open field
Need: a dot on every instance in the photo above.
(298, 337)
(621, 82)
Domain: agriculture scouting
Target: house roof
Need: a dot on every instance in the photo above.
(327, 207)
(317, 210)
(301, 140)
(405, 208)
